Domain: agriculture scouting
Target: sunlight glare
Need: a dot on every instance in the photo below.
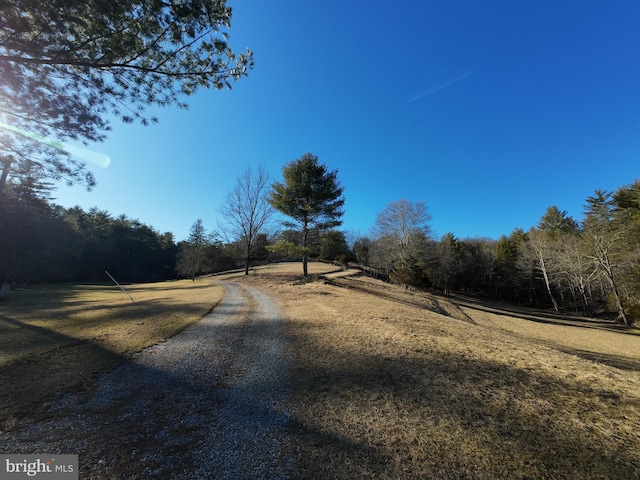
(79, 153)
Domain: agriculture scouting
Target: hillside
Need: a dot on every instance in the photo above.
(386, 387)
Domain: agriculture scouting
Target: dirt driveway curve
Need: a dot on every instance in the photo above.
(209, 402)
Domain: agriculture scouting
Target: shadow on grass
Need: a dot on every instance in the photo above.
(50, 295)
(616, 361)
(358, 415)
(542, 316)
(19, 340)
(431, 301)
(50, 363)
(185, 408)
(442, 415)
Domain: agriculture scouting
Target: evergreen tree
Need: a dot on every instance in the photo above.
(192, 258)
(334, 246)
(448, 261)
(362, 249)
(555, 222)
(311, 196)
(508, 268)
(627, 212)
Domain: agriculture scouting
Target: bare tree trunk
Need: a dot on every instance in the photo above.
(248, 258)
(305, 257)
(246, 209)
(602, 248)
(543, 268)
(539, 244)
(614, 286)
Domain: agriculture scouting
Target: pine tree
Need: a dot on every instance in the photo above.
(65, 65)
(311, 196)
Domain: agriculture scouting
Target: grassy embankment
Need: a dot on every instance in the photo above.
(55, 338)
(385, 389)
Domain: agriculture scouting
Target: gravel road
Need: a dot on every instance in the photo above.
(209, 402)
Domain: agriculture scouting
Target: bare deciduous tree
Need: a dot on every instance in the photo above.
(402, 248)
(398, 221)
(605, 243)
(542, 249)
(246, 209)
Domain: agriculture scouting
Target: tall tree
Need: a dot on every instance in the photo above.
(361, 249)
(605, 242)
(508, 259)
(545, 244)
(64, 65)
(401, 218)
(477, 264)
(247, 211)
(542, 250)
(578, 271)
(627, 212)
(192, 257)
(311, 196)
(400, 227)
(555, 223)
(449, 264)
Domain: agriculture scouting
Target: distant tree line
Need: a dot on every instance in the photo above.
(586, 266)
(590, 266)
(43, 242)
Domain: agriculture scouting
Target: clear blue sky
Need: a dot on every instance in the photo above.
(488, 111)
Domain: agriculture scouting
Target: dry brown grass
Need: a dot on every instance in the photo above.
(389, 390)
(58, 337)
(618, 349)
(382, 388)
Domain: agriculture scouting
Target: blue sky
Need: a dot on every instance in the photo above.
(489, 112)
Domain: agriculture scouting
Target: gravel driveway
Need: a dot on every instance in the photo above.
(209, 402)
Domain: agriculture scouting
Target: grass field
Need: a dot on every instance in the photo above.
(385, 389)
(55, 338)
(382, 385)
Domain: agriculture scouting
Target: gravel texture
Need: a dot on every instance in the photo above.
(209, 402)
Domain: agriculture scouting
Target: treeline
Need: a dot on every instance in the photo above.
(42, 242)
(589, 266)
(202, 254)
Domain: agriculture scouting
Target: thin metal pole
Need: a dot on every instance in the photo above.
(121, 288)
